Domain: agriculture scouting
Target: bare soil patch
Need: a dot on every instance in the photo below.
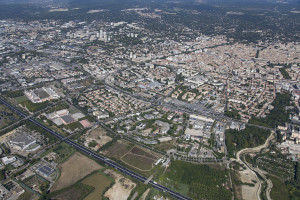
(121, 189)
(74, 169)
(248, 192)
(99, 135)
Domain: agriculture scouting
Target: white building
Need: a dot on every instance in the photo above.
(7, 160)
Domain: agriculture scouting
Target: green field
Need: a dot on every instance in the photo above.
(279, 190)
(63, 150)
(33, 107)
(20, 99)
(7, 117)
(197, 181)
(89, 188)
(78, 191)
(58, 107)
(98, 181)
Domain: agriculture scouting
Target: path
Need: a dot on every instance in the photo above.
(256, 170)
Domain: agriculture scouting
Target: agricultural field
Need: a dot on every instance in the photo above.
(140, 159)
(118, 149)
(7, 117)
(138, 162)
(279, 167)
(100, 182)
(133, 156)
(73, 169)
(274, 163)
(77, 191)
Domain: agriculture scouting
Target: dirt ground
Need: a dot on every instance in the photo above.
(122, 187)
(248, 192)
(99, 135)
(74, 169)
(6, 136)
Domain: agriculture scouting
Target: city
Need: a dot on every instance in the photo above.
(143, 101)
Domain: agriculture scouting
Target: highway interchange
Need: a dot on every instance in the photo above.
(96, 155)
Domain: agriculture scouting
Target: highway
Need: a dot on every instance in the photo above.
(96, 155)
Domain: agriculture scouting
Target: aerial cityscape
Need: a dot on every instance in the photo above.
(149, 100)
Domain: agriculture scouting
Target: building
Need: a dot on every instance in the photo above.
(21, 142)
(46, 171)
(41, 95)
(7, 160)
(3, 192)
(67, 119)
(164, 126)
(202, 118)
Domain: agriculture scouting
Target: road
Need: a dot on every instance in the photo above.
(256, 170)
(96, 155)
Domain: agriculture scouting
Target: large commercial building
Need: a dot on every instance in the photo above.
(41, 95)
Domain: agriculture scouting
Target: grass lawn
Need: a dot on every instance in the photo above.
(100, 182)
(33, 107)
(279, 191)
(21, 99)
